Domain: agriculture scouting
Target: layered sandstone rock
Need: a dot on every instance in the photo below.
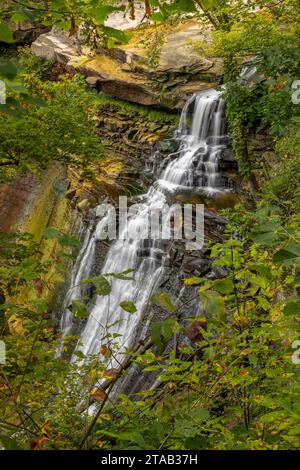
(126, 71)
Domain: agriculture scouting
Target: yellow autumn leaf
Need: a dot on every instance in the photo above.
(15, 326)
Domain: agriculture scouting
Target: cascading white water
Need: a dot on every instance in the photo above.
(80, 272)
(202, 145)
(202, 140)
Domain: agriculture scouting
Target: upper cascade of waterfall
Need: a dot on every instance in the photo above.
(202, 139)
(202, 133)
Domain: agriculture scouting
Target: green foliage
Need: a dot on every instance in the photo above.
(162, 332)
(63, 240)
(233, 387)
(79, 310)
(59, 117)
(254, 33)
(245, 351)
(5, 33)
(70, 15)
(128, 306)
(8, 70)
(282, 188)
(153, 43)
(265, 102)
(163, 300)
(101, 284)
(18, 266)
(29, 63)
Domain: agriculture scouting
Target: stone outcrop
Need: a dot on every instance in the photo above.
(129, 135)
(125, 72)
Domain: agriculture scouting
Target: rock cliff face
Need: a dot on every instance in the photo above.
(129, 134)
(29, 203)
(14, 201)
(126, 71)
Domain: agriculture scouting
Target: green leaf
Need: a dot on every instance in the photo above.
(201, 414)
(19, 17)
(272, 417)
(79, 354)
(123, 275)
(79, 310)
(64, 240)
(192, 281)
(128, 306)
(8, 69)
(99, 14)
(5, 34)
(40, 305)
(132, 436)
(35, 101)
(17, 88)
(57, 4)
(9, 443)
(13, 111)
(187, 6)
(102, 285)
(121, 36)
(224, 287)
(290, 252)
(162, 331)
(50, 233)
(110, 43)
(163, 300)
(197, 443)
(292, 307)
(185, 427)
(208, 4)
(64, 24)
(213, 304)
(266, 233)
(157, 17)
(264, 270)
(68, 240)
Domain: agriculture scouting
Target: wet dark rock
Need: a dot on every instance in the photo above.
(218, 272)
(195, 265)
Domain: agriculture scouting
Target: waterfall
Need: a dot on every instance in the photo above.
(81, 271)
(201, 136)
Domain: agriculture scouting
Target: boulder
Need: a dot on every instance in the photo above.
(55, 45)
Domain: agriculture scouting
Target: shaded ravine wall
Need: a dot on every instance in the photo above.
(29, 203)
